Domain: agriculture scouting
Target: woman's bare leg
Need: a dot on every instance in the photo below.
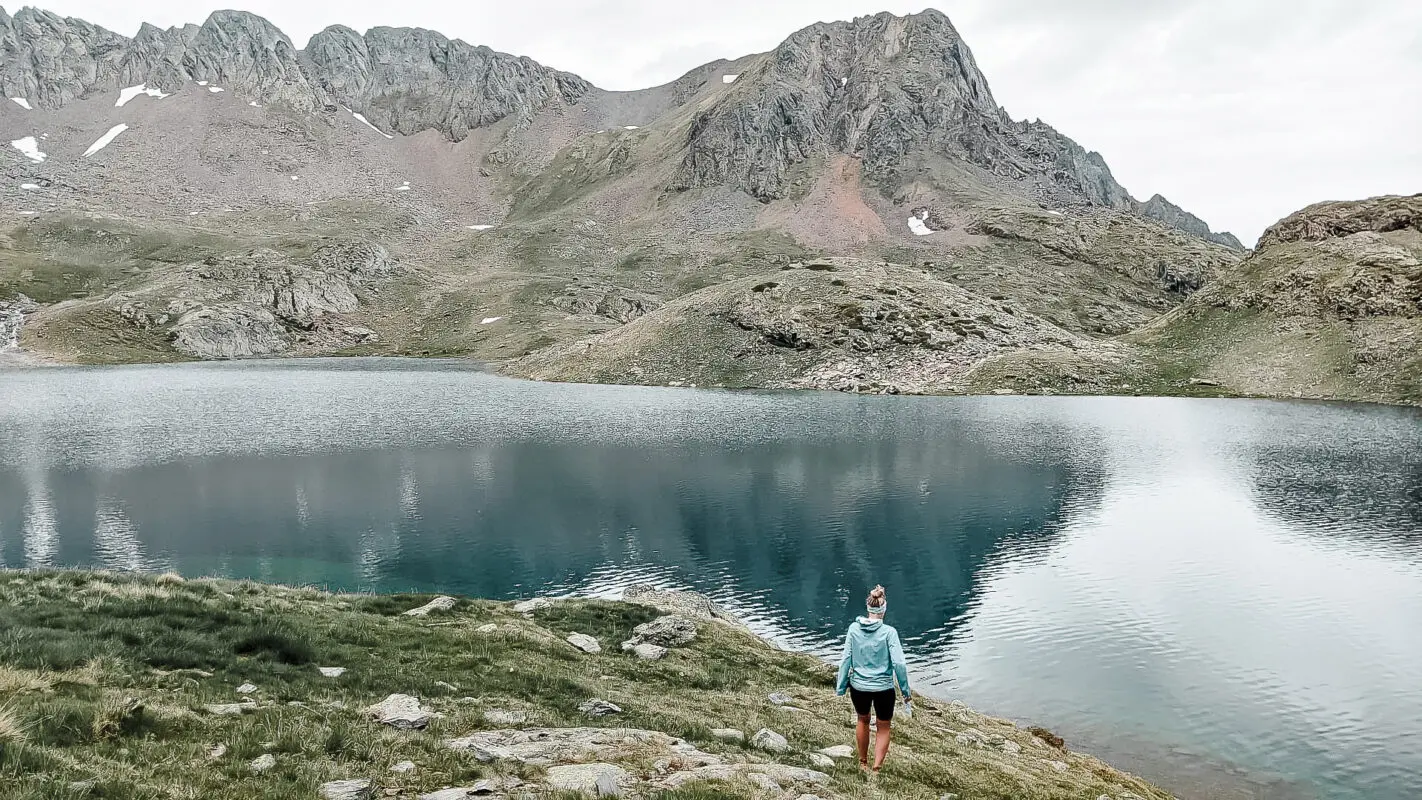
(881, 743)
(861, 738)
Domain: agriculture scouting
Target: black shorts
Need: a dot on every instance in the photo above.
(882, 702)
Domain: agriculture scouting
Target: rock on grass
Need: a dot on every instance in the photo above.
(441, 603)
(402, 712)
(770, 741)
(599, 708)
(599, 780)
(358, 789)
(585, 643)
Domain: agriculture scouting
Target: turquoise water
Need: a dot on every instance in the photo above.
(1225, 596)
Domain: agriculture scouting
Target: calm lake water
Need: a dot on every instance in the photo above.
(1225, 596)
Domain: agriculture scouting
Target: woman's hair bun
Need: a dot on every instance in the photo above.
(876, 596)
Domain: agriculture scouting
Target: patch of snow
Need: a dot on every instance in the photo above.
(1058, 213)
(478, 227)
(29, 186)
(215, 89)
(843, 81)
(202, 83)
(602, 131)
(629, 127)
(296, 177)
(918, 226)
(729, 78)
(361, 118)
(194, 213)
(490, 320)
(254, 104)
(105, 140)
(22, 103)
(131, 92)
(27, 213)
(402, 188)
(29, 146)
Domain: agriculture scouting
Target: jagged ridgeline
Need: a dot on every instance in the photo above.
(214, 191)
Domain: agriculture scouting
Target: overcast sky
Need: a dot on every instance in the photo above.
(1240, 111)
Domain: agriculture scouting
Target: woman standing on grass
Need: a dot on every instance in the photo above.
(873, 661)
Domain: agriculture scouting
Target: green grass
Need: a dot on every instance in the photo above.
(103, 679)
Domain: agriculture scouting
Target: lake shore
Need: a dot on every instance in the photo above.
(126, 686)
(22, 359)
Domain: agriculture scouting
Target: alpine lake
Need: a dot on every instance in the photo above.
(1224, 596)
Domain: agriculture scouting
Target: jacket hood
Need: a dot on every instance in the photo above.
(869, 624)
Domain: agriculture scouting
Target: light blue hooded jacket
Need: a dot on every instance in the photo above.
(873, 659)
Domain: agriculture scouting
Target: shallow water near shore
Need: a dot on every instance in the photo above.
(1222, 595)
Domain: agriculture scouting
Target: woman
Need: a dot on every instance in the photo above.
(873, 661)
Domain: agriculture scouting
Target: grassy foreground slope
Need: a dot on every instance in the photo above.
(112, 686)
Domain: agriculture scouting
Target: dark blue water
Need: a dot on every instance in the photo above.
(1225, 596)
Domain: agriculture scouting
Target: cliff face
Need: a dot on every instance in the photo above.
(402, 79)
(886, 89)
(409, 80)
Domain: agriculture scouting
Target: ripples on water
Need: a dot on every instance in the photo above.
(1223, 595)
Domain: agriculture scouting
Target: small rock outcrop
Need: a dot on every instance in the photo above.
(770, 741)
(672, 630)
(355, 789)
(599, 780)
(691, 605)
(441, 603)
(530, 606)
(585, 643)
(599, 708)
(644, 651)
(402, 712)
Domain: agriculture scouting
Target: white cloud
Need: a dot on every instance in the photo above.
(1239, 112)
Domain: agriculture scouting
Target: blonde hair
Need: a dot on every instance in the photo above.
(876, 598)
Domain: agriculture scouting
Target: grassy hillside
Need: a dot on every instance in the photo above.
(1329, 306)
(110, 686)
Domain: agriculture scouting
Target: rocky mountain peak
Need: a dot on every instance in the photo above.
(1162, 210)
(412, 79)
(243, 50)
(402, 79)
(892, 91)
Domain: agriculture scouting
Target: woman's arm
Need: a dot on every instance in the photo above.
(896, 657)
(845, 662)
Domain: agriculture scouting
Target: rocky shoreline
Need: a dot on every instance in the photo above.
(226, 689)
